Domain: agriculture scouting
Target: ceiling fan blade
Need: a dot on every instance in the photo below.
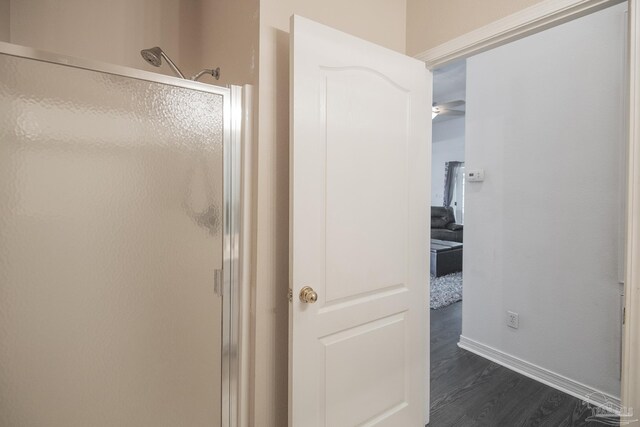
(451, 113)
(450, 104)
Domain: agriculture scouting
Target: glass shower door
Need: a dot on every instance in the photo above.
(110, 235)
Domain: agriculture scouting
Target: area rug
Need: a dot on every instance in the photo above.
(445, 290)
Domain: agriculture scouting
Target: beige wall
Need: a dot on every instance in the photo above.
(113, 31)
(230, 39)
(433, 22)
(5, 31)
(196, 34)
(380, 21)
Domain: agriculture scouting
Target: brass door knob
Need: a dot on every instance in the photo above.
(308, 295)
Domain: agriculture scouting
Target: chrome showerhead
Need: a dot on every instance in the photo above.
(154, 57)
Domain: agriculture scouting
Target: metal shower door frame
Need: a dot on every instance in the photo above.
(232, 117)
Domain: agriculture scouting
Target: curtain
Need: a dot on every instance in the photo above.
(451, 170)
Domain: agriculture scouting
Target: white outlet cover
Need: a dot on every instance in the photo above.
(513, 320)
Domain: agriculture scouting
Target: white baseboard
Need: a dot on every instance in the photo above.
(545, 376)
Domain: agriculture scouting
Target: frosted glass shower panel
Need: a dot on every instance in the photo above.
(110, 232)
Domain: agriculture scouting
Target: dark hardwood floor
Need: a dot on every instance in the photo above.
(468, 390)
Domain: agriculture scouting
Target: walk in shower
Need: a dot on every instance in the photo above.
(115, 224)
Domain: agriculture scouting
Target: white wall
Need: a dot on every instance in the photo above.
(448, 145)
(545, 121)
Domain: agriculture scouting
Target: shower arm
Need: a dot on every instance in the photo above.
(173, 66)
(214, 72)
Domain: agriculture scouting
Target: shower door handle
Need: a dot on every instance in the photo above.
(218, 286)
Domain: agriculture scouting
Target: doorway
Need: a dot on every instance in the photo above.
(526, 244)
(447, 184)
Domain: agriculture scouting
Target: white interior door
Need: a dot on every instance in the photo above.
(360, 180)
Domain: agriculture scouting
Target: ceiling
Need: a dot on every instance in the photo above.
(449, 84)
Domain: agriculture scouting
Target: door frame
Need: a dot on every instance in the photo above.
(234, 326)
(539, 17)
